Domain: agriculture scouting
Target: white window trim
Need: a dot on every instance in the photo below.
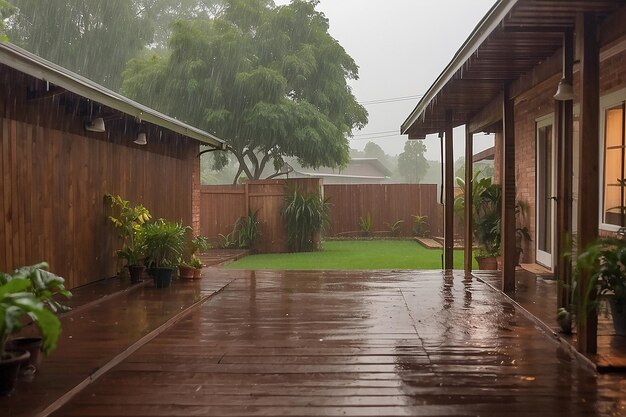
(606, 102)
(543, 121)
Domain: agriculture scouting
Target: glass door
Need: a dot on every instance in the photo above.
(546, 192)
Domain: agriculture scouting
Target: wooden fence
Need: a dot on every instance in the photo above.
(222, 205)
(386, 203)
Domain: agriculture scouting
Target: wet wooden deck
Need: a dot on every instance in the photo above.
(344, 343)
(538, 296)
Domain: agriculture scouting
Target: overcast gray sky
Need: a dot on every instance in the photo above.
(401, 46)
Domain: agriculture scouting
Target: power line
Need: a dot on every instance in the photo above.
(391, 100)
(375, 137)
(376, 133)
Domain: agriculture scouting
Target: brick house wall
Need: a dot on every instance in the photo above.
(535, 104)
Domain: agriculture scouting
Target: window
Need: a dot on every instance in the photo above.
(614, 204)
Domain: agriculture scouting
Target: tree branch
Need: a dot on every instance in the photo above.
(266, 158)
(242, 164)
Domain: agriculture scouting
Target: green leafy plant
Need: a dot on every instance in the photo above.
(129, 220)
(394, 228)
(306, 214)
(604, 263)
(199, 244)
(249, 229)
(366, 223)
(521, 231)
(486, 207)
(21, 298)
(196, 262)
(165, 243)
(46, 286)
(229, 240)
(420, 225)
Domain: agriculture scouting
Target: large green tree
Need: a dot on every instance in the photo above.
(6, 11)
(96, 38)
(269, 80)
(412, 165)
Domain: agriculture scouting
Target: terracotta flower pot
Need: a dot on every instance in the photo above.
(186, 272)
(197, 273)
(487, 263)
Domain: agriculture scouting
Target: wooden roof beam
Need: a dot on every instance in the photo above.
(488, 115)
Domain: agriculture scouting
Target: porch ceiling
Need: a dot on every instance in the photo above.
(514, 37)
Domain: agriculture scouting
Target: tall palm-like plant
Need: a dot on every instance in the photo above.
(306, 215)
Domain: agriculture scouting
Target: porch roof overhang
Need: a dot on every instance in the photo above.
(37, 67)
(513, 38)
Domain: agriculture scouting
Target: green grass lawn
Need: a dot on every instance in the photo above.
(354, 254)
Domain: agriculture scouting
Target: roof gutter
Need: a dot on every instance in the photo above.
(485, 27)
(42, 69)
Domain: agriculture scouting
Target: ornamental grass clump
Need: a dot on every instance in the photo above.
(306, 216)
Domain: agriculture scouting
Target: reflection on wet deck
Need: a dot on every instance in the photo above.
(352, 343)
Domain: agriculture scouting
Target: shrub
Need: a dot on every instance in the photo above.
(366, 224)
(306, 214)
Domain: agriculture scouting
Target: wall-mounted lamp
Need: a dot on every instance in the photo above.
(565, 91)
(95, 125)
(142, 139)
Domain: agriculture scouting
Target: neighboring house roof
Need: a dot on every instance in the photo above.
(358, 168)
(488, 154)
(37, 67)
(513, 38)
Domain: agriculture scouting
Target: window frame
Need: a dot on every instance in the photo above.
(607, 102)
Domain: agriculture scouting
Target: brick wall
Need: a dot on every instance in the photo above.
(533, 105)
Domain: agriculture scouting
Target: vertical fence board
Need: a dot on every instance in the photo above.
(221, 206)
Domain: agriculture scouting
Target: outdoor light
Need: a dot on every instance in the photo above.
(96, 125)
(565, 91)
(141, 139)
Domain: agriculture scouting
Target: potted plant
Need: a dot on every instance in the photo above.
(487, 208)
(46, 286)
(129, 221)
(604, 262)
(196, 263)
(164, 245)
(19, 300)
(188, 269)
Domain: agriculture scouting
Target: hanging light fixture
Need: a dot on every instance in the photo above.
(95, 125)
(142, 139)
(565, 91)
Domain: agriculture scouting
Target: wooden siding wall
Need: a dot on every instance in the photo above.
(222, 205)
(54, 176)
(387, 203)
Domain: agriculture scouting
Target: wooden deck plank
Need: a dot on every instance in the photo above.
(362, 343)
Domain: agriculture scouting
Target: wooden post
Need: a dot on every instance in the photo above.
(469, 174)
(564, 111)
(507, 240)
(588, 185)
(448, 251)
